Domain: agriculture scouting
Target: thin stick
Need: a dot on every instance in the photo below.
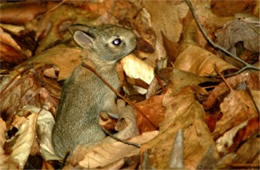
(117, 93)
(223, 78)
(121, 140)
(247, 65)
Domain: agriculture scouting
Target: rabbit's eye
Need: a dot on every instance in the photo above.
(116, 42)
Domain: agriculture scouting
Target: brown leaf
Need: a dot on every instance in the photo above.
(247, 152)
(154, 110)
(63, 57)
(253, 126)
(180, 79)
(237, 107)
(18, 148)
(11, 55)
(52, 28)
(200, 61)
(229, 8)
(7, 39)
(21, 13)
(109, 152)
(182, 112)
(239, 31)
(251, 80)
(22, 87)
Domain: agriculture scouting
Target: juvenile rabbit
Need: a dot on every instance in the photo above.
(84, 95)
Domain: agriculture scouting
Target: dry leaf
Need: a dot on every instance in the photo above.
(18, 148)
(200, 61)
(7, 39)
(248, 152)
(182, 112)
(63, 57)
(256, 97)
(109, 152)
(229, 8)
(20, 91)
(52, 28)
(137, 69)
(20, 13)
(45, 123)
(154, 110)
(239, 31)
(169, 21)
(237, 107)
(226, 141)
(180, 79)
(251, 80)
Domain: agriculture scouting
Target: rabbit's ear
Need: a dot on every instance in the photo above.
(83, 39)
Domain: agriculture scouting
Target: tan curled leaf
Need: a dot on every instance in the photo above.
(107, 153)
(200, 61)
(137, 69)
(7, 39)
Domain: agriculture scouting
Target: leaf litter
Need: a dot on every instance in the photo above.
(217, 119)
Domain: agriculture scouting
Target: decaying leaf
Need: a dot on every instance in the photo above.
(239, 31)
(167, 36)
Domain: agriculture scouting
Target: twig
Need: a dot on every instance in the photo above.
(223, 78)
(55, 7)
(3, 92)
(117, 93)
(121, 140)
(247, 65)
